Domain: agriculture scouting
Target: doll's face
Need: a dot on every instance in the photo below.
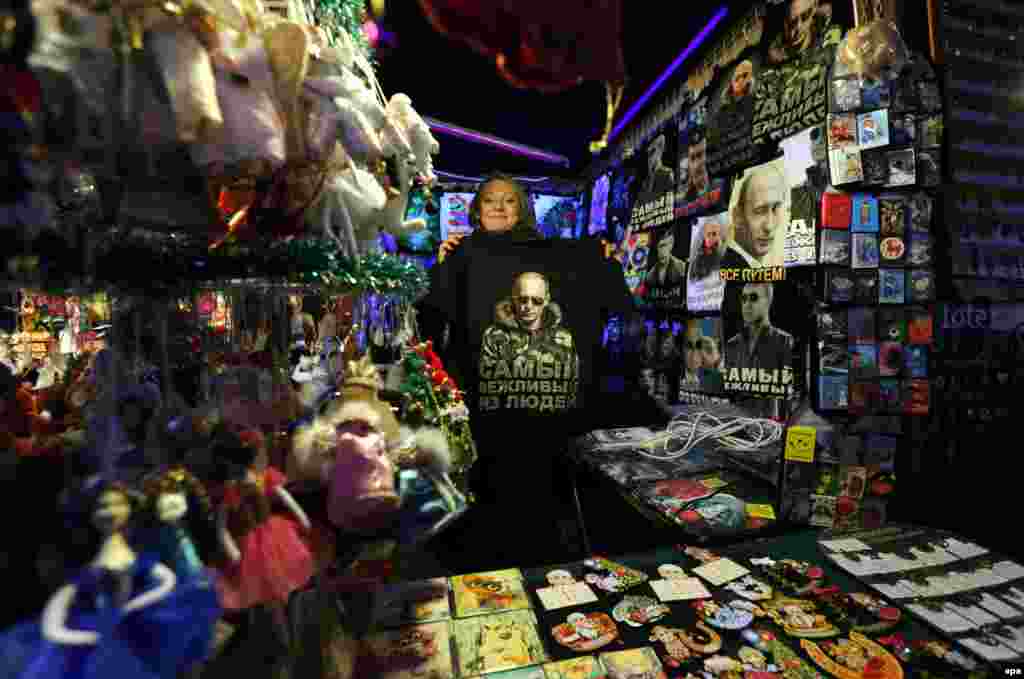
(171, 507)
(112, 511)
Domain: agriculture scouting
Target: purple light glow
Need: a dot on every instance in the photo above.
(676, 63)
(496, 142)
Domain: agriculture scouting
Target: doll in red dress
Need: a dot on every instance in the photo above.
(268, 554)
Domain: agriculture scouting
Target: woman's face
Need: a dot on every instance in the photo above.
(499, 206)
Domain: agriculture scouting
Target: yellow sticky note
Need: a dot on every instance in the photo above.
(761, 511)
(713, 483)
(800, 444)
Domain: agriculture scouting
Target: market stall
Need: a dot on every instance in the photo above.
(773, 607)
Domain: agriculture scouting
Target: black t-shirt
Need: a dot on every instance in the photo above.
(525, 320)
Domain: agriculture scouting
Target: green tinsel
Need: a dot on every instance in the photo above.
(152, 266)
(336, 16)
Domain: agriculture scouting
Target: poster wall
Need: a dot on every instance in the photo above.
(704, 286)
(656, 182)
(791, 97)
(761, 302)
(798, 27)
(665, 280)
(742, 35)
(731, 111)
(696, 190)
(702, 356)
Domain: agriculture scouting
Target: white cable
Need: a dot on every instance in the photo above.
(738, 434)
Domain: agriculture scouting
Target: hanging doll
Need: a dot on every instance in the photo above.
(268, 556)
(175, 497)
(125, 615)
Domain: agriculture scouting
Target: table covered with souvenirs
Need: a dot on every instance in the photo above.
(785, 606)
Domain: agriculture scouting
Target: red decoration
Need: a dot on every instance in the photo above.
(538, 44)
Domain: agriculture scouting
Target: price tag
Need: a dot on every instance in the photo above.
(761, 511)
(800, 444)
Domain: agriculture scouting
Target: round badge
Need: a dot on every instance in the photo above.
(585, 632)
(892, 248)
(636, 611)
(727, 617)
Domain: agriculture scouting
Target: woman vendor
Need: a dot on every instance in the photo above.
(506, 299)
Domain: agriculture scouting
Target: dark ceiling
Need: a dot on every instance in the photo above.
(450, 82)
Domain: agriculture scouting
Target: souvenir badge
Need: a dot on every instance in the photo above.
(754, 660)
(564, 591)
(720, 665)
(798, 577)
(794, 666)
(855, 658)
(611, 576)
(724, 616)
(750, 588)
(799, 618)
(585, 632)
(681, 645)
(871, 615)
(637, 611)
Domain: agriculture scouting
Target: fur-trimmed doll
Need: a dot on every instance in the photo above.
(356, 448)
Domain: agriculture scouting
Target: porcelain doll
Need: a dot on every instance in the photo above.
(268, 557)
(124, 615)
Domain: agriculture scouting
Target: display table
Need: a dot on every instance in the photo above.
(567, 620)
(673, 496)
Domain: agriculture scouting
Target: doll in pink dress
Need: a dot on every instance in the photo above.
(269, 557)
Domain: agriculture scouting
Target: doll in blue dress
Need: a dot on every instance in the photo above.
(125, 615)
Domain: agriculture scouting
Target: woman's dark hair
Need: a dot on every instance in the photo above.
(526, 227)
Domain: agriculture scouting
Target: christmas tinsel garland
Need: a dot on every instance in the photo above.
(347, 16)
(158, 265)
(432, 398)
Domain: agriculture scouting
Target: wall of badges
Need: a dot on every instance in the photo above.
(876, 242)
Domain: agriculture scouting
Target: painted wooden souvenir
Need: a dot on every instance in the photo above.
(681, 645)
(796, 577)
(586, 632)
(750, 588)
(754, 660)
(792, 666)
(724, 667)
(799, 618)
(855, 658)
(724, 616)
(637, 611)
(863, 612)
